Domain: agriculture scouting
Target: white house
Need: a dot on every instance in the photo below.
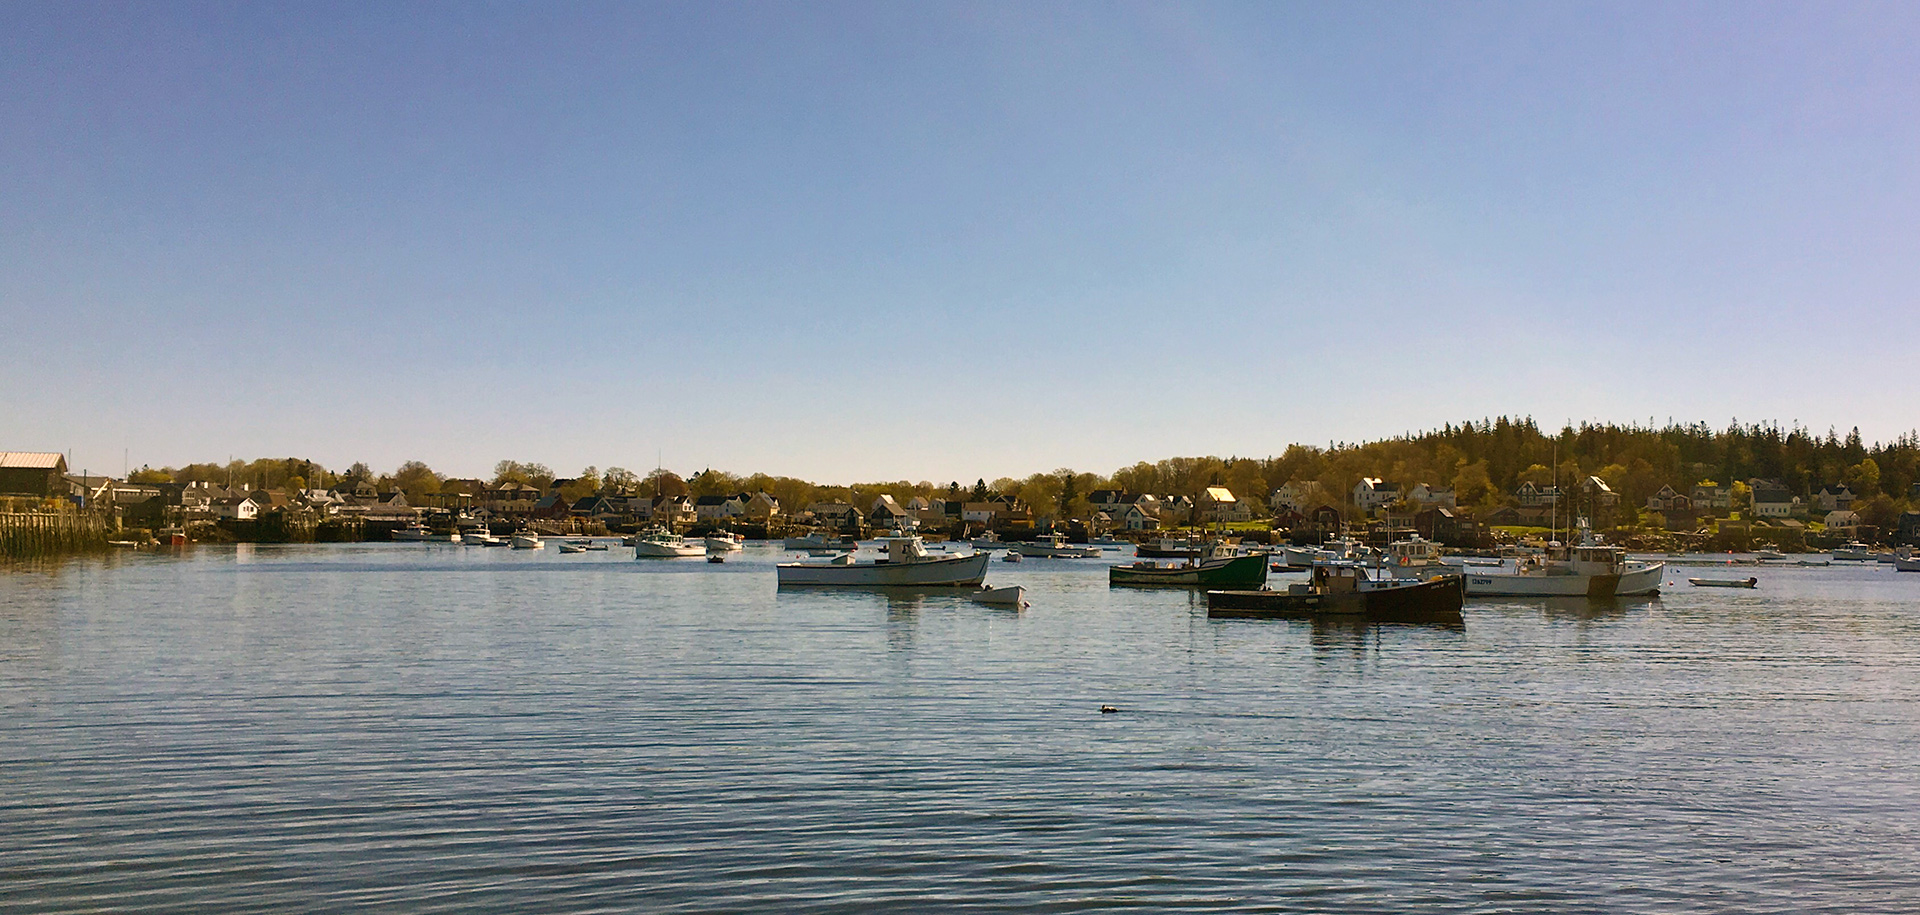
(1134, 518)
(1372, 492)
(1296, 496)
(1837, 497)
(239, 508)
(1432, 496)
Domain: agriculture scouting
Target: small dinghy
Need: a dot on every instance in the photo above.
(572, 548)
(1724, 582)
(1014, 596)
(1011, 557)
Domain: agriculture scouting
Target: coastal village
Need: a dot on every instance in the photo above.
(1693, 515)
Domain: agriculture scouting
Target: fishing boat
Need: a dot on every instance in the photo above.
(1724, 582)
(723, 541)
(1351, 591)
(1854, 551)
(1590, 569)
(1221, 569)
(1906, 565)
(1769, 555)
(1169, 548)
(904, 562)
(527, 540)
(480, 536)
(660, 543)
(819, 541)
(1053, 546)
(1415, 554)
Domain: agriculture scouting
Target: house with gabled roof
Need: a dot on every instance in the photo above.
(1372, 492)
(887, 512)
(33, 473)
(1834, 497)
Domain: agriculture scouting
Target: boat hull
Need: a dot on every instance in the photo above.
(1429, 602)
(1631, 583)
(1724, 582)
(1043, 551)
(653, 549)
(950, 571)
(1242, 573)
(1154, 551)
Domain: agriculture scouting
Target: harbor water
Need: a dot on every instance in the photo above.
(432, 728)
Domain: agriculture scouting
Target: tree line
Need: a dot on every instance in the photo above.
(1483, 461)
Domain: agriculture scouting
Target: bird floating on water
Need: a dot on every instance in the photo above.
(1107, 710)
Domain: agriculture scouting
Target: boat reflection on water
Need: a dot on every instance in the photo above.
(1569, 608)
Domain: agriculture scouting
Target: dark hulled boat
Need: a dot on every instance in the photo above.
(1343, 590)
(1224, 572)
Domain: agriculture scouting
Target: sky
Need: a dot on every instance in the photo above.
(931, 241)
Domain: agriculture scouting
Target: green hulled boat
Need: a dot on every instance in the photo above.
(1224, 573)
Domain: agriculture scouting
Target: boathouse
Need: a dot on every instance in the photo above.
(33, 473)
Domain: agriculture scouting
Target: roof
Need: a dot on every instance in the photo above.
(1220, 494)
(713, 500)
(36, 460)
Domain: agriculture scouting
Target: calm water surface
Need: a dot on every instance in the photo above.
(417, 728)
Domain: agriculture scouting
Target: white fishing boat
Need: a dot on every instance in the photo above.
(1415, 554)
(572, 548)
(1853, 552)
(480, 536)
(1054, 546)
(1769, 555)
(662, 544)
(905, 563)
(723, 541)
(528, 540)
(1590, 569)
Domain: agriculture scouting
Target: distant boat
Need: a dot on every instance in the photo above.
(1223, 573)
(1854, 552)
(819, 541)
(1769, 555)
(724, 541)
(661, 544)
(1906, 565)
(420, 533)
(1349, 591)
(527, 540)
(906, 564)
(1053, 546)
(480, 536)
(1724, 582)
(1168, 548)
(572, 548)
(1010, 557)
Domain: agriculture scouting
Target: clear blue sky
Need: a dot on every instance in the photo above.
(936, 241)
